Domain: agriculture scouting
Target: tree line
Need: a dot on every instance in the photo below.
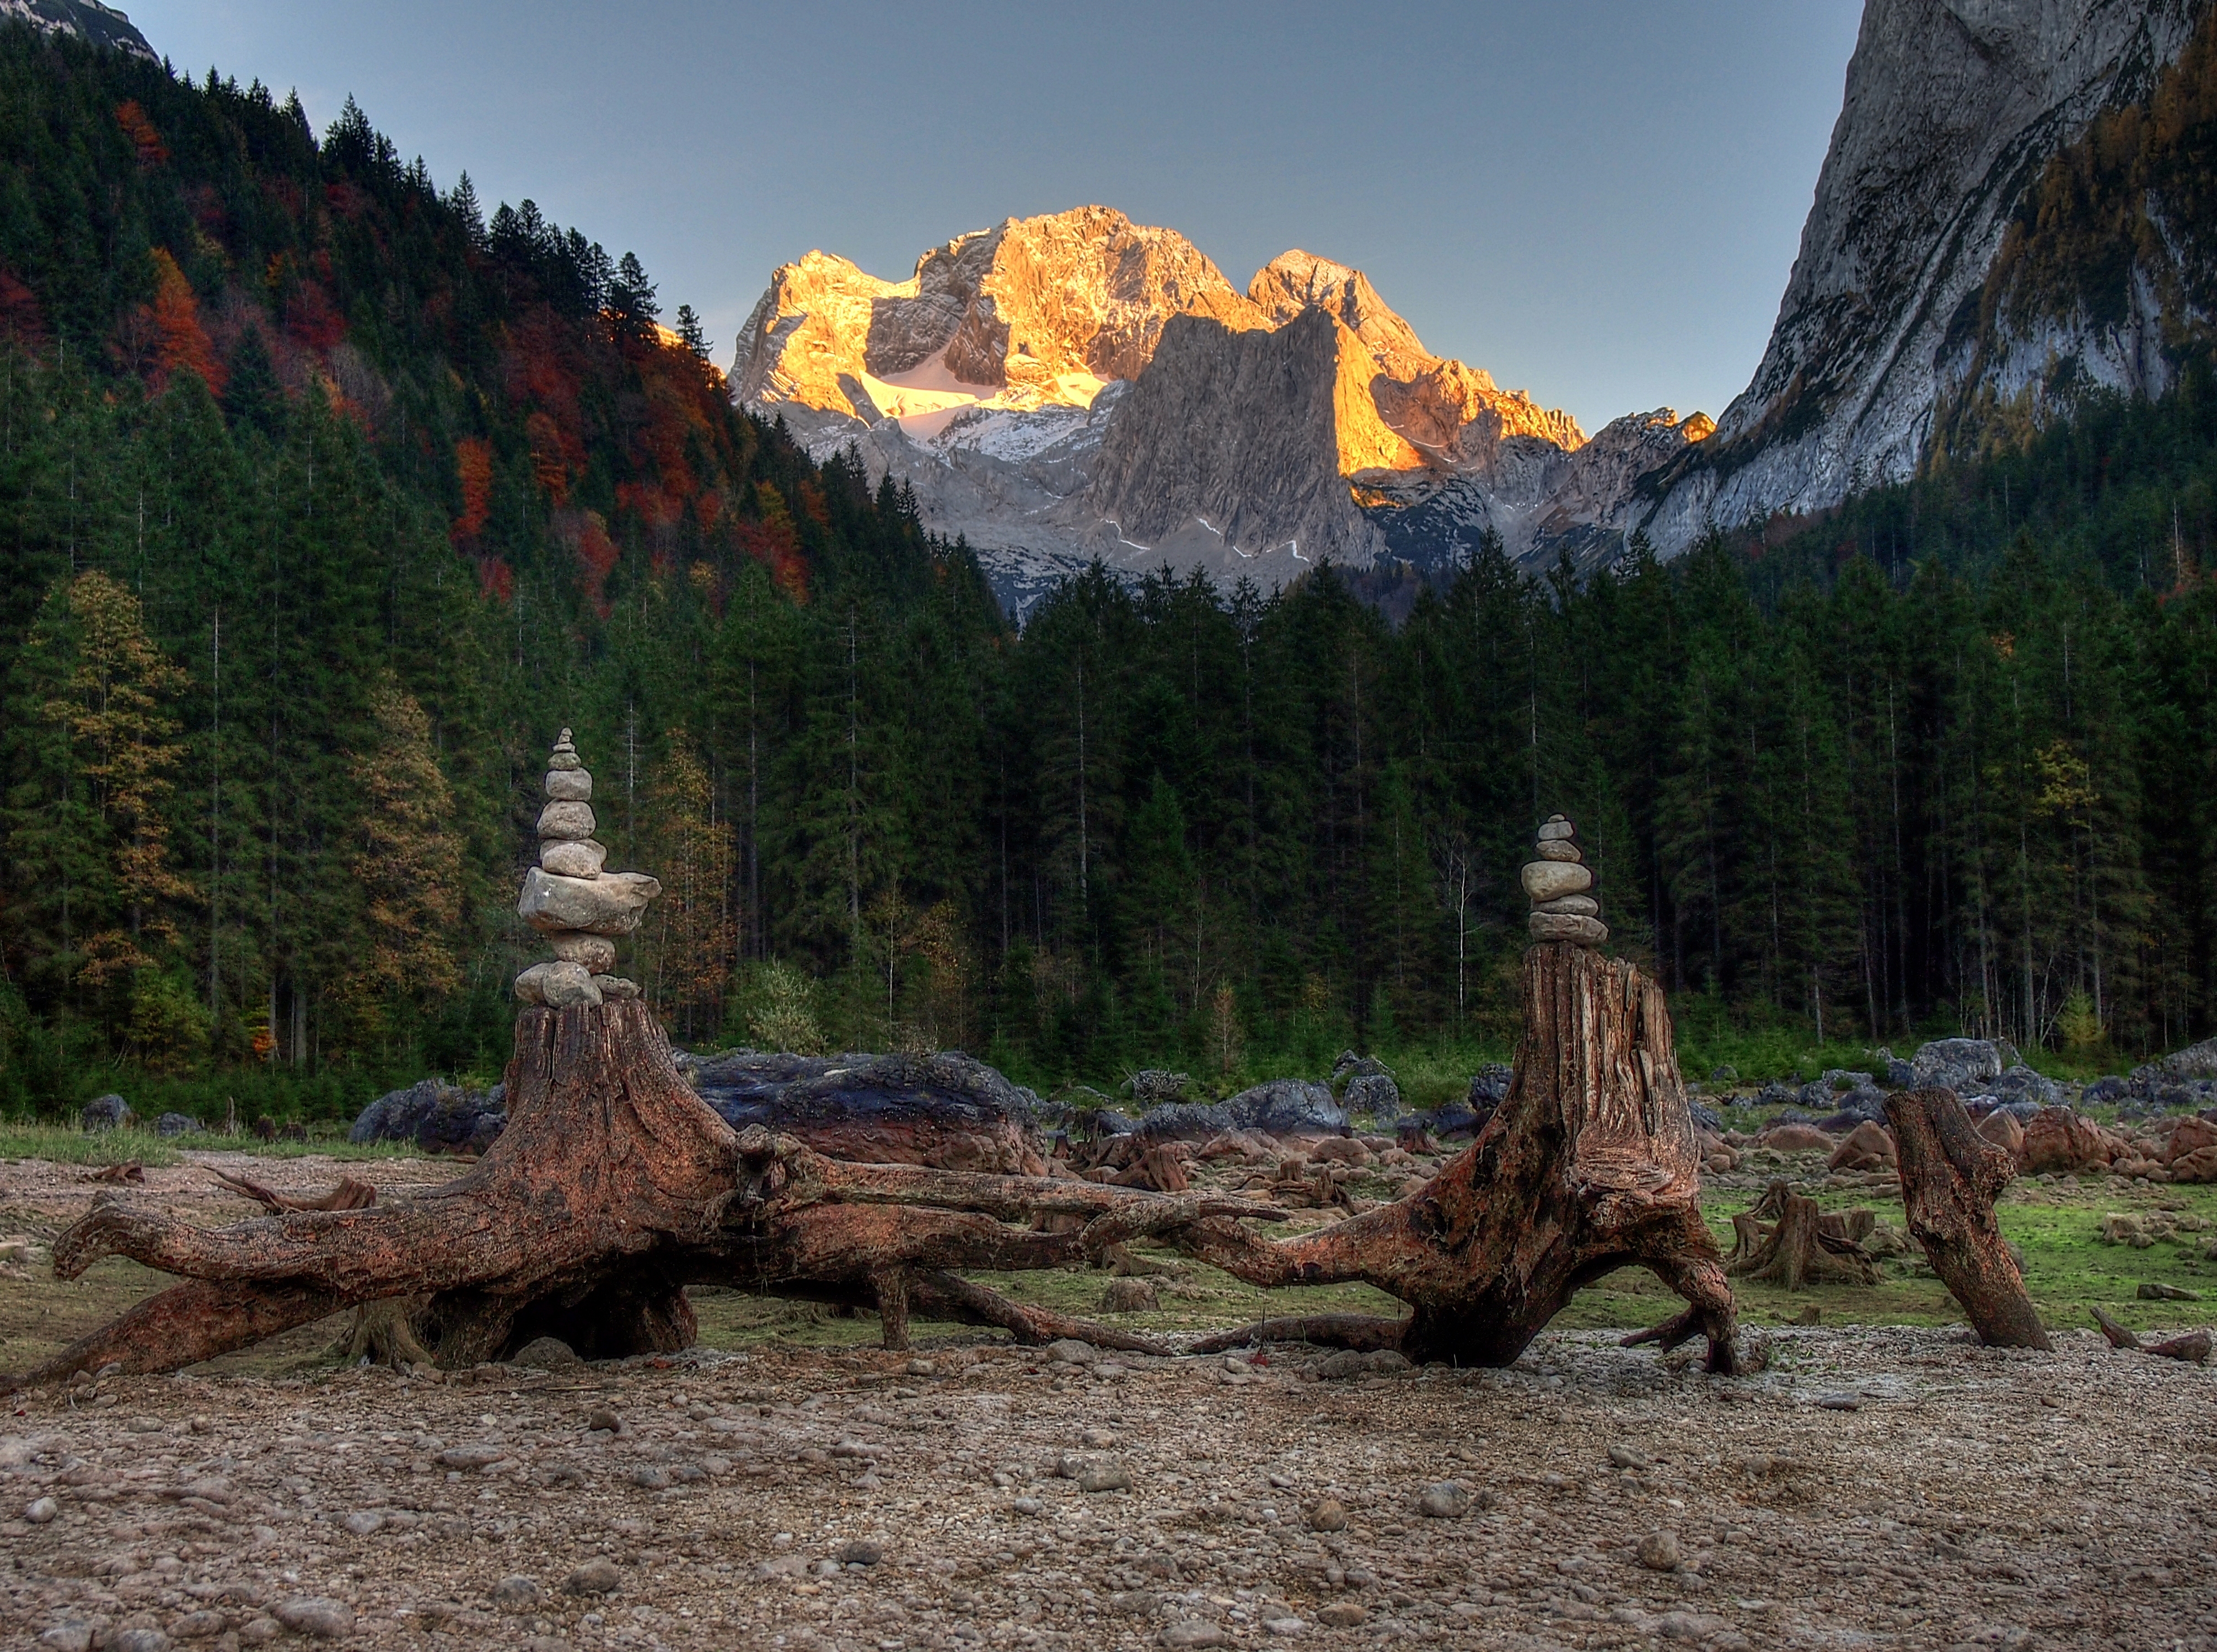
(330, 501)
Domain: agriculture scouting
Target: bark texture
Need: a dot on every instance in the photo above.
(1589, 1165)
(1950, 1177)
(613, 1186)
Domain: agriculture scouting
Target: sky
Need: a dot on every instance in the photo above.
(1597, 200)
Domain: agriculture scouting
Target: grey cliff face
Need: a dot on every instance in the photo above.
(1235, 435)
(1952, 108)
(88, 20)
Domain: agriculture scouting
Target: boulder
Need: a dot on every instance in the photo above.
(1281, 1107)
(2001, 1127)
(2059, 1140)
(177, 1124)
(1153, 1087)
(1456, 1119)
(2195, 1061)
(1966, 1065)
(1351, 1066)
(2188, 1135)
(1795, 1138)
(109, 1112)
(945, 1111)
(434, 1116)
(568, 857)
(2021, 1083)
(1489, 1087)
(611, 904)
(1706, 1117)
(1375, 1094)
(2197, 1167)
(1868, 1146)
(2105, 1091)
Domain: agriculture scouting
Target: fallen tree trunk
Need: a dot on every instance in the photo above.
(613, 1186)
(1950, 1178)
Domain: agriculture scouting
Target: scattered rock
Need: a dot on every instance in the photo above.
(198, 1625)
(1342, 1614)
(41, 1511)
(547, 1353)
(109, 1112)
(362, 1522)
(1628, 1456)
(176, 1124)
(515, 1593)
(315, 1615)
(1327, 1516)
(1659, 1551)
(861, 1551)
(1193, 1632)
(1130, 1297)
(1348, 1362)
(1104, 1477)
(596, 1576)
(1447, 1499)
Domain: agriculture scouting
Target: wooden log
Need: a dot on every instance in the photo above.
(1950, 1177)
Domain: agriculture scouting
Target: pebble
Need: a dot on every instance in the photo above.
(1342, 1614)
(363, 1521)
(1659, 1551)
(515, 1593)
(1628, 1456)
(1069, 1351)
(1839, 1402)
(1027, 1505)
(1327, 1516)
(42, 1511)
(1104, 1477)
(198, 1625)
(481, 1455)
(1285, 1629)
(1192, 1632)
(259, 1631)
(861, 1551)
(1098, 1439)
(598, 1576)
(136, 1640)
(922, 1368)
(603, 1420)
(67, 1637)
(315, 1615)
(1448, 1500)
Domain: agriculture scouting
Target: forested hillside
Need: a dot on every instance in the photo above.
(329, 500)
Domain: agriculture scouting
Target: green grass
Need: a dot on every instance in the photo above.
(67, 1144)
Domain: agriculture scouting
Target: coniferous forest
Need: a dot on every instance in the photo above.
(330, 495)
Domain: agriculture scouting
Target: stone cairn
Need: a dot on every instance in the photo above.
(1561, 884)
(571, 901)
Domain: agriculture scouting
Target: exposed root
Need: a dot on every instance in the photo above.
(1363, 1333)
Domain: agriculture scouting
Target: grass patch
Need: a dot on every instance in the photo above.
(67, 1144)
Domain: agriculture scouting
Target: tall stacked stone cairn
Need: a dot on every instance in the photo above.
(1561, 884)
(579, 908)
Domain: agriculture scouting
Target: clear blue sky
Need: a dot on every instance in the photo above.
(1595, 200)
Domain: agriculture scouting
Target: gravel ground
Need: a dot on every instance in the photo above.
(1871, 1487)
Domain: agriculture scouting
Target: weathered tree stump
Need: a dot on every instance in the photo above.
(613, 1186)
(2193, 1348)
(1589, 1165)
(1801, 1246)
(1950, 1177)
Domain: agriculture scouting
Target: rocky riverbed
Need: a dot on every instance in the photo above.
(1870, 1487)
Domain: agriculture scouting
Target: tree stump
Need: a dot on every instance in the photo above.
(1589, 1165)
(1950, 1177)
(1801, 1246)
(613, 1186)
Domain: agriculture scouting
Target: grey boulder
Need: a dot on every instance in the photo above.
(109, 1112)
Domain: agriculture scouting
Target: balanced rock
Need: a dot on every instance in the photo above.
(557, 986)
(1558, 880)
(611, 904)
(566, 819)
(573, 857)
(571, 900)
(596, 953)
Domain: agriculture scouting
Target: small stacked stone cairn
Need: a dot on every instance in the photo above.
(1560, 884)
(571, 901)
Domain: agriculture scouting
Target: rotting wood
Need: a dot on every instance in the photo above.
(1950, 1178)
(613, 1186)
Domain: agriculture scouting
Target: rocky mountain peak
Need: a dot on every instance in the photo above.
(88, 20)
